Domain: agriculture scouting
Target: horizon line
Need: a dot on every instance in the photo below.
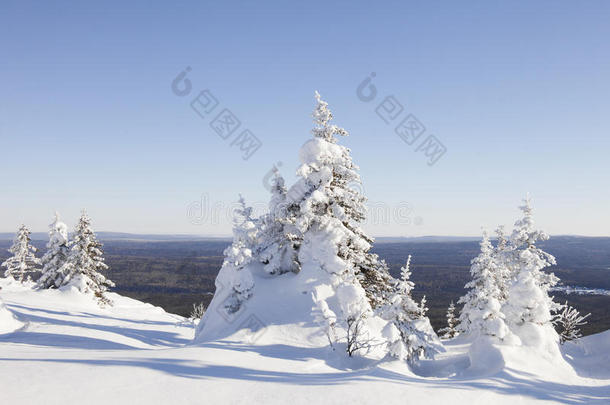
(229, 236)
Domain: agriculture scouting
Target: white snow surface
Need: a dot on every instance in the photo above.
(282, 310)
(8, 322)
(69, 350)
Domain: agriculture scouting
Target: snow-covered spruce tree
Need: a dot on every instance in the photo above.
(409, 333)
(56, 256)
(504, 271)
(22, 264)
(85, 263)
(569, 322)
(328, 221)
(331, 211)
(450, 331)
(279, 239)
(529, 305)
(481, 313)
(234, 273)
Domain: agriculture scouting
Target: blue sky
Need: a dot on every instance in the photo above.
(517, 92)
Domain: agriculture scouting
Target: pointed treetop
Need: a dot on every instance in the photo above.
(525, 233)
(57, 227)
(84, 218)
(527, 206)
(405, 272)
(321, 118)
(56, 220)
(321, 115)
(278, 179)
(244, 212)
(527, 222)
(501, 235)
(485, 242)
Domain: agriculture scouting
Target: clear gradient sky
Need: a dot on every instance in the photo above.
(517, 92)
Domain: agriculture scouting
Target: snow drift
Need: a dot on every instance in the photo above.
(8, 322)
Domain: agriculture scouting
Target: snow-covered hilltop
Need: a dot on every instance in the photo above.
(69, 350)
(303, 311)
(304, 273)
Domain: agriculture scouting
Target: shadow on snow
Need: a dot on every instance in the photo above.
(510, 382)
(150, 337)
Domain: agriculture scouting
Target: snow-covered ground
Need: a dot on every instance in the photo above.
(68, 350)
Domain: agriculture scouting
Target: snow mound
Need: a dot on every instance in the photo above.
(486, 357)
(534, 350)
(590, 356)
(596, 345)
(283, 309)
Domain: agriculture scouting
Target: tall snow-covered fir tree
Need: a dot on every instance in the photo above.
(85, 263)
(528, 300)
(312, 240)
(481, 313)
(56, 256)
(234, 273)
(330, 211)
(22, 264)
(328, 221)
(450, 331)
(409, 333)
